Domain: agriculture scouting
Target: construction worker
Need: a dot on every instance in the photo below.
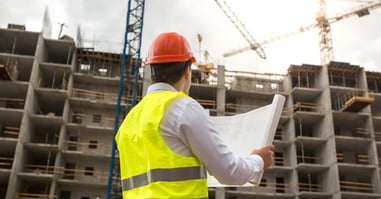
(166, 142)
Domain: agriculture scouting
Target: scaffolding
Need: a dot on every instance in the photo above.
(259, 82)
(344, 74)
(304, 75)
(308, 107)
(98, 63)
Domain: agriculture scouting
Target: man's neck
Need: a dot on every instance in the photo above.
(180, 85)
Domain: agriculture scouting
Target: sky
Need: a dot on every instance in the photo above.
(355, 40)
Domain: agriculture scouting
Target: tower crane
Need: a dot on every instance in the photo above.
(324, 25)
(253, 44)
(128, 85)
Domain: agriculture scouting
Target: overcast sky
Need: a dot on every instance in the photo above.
(355, 40)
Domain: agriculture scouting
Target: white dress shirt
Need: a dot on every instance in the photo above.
(187, 130)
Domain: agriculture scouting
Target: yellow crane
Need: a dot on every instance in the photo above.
(324, 24)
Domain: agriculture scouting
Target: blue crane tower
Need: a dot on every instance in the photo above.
(128, 85)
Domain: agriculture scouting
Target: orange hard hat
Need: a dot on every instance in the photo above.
(170, 47)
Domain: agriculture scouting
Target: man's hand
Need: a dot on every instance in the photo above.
(267, 154)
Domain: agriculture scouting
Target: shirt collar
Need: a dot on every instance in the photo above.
(160, 87)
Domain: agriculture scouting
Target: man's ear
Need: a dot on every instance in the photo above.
(188, 73)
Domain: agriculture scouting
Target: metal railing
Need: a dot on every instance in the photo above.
(6, 163)
(308, 107)
(80, 118)
(309, 187)
(34, 196)
(9, 131)
(356, 186)
(88, 148)
(16, 103)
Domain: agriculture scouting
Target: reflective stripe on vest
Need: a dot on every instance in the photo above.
(169, 175)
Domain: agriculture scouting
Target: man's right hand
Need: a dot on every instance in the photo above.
(267, 154)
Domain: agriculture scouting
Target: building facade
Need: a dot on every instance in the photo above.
(57, 111)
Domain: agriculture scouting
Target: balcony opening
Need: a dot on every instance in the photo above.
(89, 171)
(93, 144)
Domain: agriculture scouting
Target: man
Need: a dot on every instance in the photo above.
(167, 140)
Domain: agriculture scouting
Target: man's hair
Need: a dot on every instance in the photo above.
(169, 72)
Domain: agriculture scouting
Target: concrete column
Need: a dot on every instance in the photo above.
(291, 157)
(14, 184)
(369, 126)
(146, 79)
(220, 191)
(221, 92)
(332, 185)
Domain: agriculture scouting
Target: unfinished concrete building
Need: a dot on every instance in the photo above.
(57, 110)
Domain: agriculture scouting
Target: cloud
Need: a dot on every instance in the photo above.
(12, 12)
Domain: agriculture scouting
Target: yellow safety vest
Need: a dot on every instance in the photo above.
(149, 168)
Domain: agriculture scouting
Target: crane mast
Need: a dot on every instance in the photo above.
(128, 85)
(254, 45)
(325, 35)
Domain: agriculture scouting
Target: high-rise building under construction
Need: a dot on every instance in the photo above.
(57, 110)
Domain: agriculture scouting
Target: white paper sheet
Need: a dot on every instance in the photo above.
(247, 131)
